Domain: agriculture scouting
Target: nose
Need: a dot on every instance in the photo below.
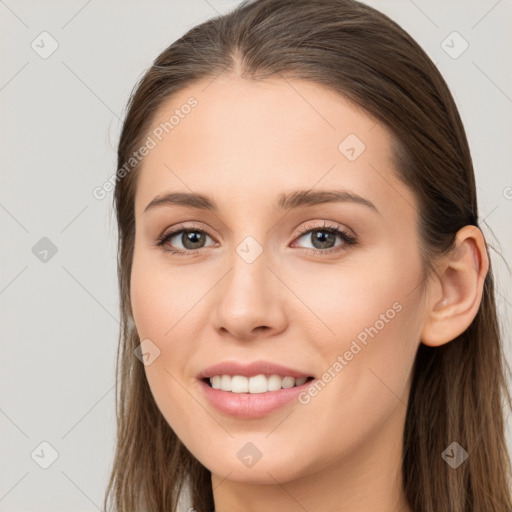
(250, 298)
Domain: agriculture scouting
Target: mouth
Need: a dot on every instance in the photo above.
(262, 383)
(252, 396)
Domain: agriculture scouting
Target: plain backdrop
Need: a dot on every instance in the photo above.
(61, 117)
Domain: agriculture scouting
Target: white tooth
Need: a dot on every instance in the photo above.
(274, 383)
(239, 384)
(225, 383)
(258, 384)
(288, 382)
(255, 384)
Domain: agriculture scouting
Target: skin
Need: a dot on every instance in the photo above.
(244, 144)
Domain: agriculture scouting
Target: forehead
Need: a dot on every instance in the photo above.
(244, 140)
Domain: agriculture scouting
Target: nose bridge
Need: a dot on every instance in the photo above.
(249, 297)
(250, 241)
(249, 277)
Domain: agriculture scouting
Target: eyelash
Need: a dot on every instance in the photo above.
(348, 240)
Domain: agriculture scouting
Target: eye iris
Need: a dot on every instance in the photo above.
(323, 237)
(193, 237)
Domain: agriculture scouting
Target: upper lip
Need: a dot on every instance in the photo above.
(250, 369)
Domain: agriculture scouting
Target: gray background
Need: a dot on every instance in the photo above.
(61, 118)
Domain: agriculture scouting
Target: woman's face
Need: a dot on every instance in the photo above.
(258, 282)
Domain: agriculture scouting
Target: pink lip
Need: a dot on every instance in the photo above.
(251, 369)
(250, 405)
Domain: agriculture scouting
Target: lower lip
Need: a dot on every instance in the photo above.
(251, 405)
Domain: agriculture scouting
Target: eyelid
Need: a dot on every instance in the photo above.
(327, 225)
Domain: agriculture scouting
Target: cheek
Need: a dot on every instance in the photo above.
(157, 308)
(371, 317)
(162, 305)
(156, 298)
(361, 292)
(160, 315)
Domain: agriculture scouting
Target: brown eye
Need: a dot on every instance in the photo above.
(323, 238)
(191, 240)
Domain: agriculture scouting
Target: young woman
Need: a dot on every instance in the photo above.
(307, 302)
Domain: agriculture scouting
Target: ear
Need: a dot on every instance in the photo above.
(454, 302)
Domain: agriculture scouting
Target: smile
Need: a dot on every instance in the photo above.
(255, 404)
(256, 384)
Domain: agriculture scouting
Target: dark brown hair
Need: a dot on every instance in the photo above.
(458, 389)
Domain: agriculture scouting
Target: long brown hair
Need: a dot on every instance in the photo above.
(458, 389)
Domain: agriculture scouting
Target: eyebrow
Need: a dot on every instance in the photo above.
(285, 201)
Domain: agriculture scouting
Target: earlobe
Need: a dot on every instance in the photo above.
(455, 302)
